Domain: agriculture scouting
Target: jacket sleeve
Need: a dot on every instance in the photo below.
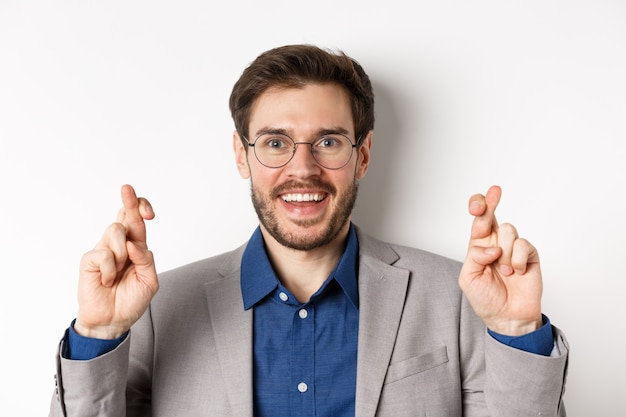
(93, 387)
(524, 384)
(500, 380)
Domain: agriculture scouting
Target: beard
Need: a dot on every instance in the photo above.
(304, 241)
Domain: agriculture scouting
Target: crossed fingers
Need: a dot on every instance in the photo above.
(516, 253)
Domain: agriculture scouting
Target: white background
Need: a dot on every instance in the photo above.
(529, 95)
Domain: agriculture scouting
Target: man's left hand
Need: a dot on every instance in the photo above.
(501, 276)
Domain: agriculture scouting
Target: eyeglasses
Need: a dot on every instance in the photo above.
(275, 150)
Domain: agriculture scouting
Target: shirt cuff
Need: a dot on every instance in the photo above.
(540, 342)
(81, 348)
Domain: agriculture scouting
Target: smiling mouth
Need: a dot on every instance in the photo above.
(299, 197)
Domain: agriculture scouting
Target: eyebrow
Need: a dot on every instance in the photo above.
(319, 132)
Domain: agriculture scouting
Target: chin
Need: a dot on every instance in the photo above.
(307, 237)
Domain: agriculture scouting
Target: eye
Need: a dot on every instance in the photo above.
(275, 142)
(328, 141)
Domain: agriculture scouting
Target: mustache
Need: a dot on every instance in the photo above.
(295, 185)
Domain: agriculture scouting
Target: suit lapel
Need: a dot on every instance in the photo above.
(382, 291)
(232, 328)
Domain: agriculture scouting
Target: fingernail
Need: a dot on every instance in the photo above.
(491, 251)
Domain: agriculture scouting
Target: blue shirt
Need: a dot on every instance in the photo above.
(305, 354)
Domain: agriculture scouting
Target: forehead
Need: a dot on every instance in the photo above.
(301, 110)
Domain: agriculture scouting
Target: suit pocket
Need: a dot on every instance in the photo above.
(416, 364)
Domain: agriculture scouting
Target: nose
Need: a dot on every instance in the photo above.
(303, 164)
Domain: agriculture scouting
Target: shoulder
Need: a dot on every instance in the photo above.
(429, 279)
(403, 256)
(203, 271)
(429, 273)
(425, 260)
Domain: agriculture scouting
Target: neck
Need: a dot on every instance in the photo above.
(304, 272)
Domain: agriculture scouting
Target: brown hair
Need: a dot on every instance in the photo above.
(294, 66)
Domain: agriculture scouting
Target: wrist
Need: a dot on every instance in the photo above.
(98, 332)
(516, 327)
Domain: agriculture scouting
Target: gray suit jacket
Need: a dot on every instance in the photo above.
(421, 352)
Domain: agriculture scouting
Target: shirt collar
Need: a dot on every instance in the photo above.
(258, 278)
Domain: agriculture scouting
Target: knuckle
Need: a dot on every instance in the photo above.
(87, 258)
(113, 231)
(508, 228)
(522, 243)
(93, 255)
(117, 227)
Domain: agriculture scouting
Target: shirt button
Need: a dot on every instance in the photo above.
(302, 387)
(283, 296)
(303, 313)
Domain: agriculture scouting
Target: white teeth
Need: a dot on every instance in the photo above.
(302, 197)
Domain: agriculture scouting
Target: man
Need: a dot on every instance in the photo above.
(311, 317)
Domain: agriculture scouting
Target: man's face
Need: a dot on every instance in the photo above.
(303, 205)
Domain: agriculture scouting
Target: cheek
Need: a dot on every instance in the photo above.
(262, 177)
(344, 181)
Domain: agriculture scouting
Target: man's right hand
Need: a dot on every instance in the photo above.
(117, 278)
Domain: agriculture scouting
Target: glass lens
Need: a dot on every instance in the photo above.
(273, 150)
(332, 151)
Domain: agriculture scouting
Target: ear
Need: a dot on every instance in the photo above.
(363, 155)
(241, 156)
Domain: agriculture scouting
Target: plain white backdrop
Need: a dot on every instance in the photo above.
(528, 95)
